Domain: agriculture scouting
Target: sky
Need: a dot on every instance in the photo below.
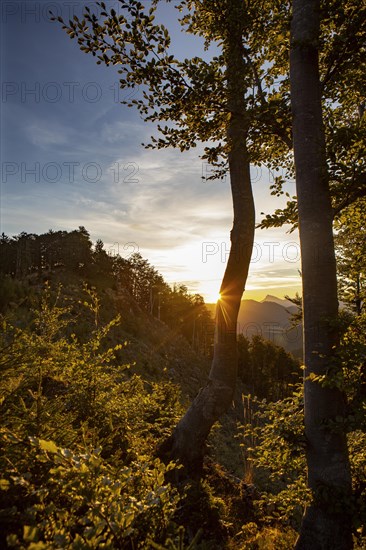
(71, 155)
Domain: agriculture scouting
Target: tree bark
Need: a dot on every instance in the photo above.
(326, 523)
(188, 440)
(189, 437)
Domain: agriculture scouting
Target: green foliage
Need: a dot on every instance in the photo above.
(342, 83)
(347, 370)
(268, 538)
(357, 446)
(266, 369)
(191, 95)
(273, 443)
(85, 502)
(11, 291)
(351, 253)
(78, 437)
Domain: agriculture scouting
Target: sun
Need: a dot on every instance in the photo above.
(212, 297)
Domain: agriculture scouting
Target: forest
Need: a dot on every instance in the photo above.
(131, 417)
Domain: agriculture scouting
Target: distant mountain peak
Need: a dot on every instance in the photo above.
(281, 301)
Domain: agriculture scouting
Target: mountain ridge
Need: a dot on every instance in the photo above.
(281, 301)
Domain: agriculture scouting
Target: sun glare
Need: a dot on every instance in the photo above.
(212, 297)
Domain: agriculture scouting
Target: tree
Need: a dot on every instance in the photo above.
(326, 523)
(266, 369)
(217, 103)
(8, 254)
(101, 259)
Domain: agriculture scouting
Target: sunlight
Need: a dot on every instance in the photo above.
(211, 296)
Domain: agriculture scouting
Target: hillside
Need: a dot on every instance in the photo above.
(99, 360)
(154, 350)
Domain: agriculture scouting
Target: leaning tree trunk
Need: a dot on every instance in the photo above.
(188, 440)
(326, 523)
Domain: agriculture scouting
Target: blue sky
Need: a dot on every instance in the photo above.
(71, 155)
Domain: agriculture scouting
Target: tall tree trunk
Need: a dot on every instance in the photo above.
(188, 440)
(326, 523)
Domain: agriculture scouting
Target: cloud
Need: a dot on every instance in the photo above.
(47, 137)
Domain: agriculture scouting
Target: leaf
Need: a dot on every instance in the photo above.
(48, 446)
(4, 484)
(30, 533)
(128, 519)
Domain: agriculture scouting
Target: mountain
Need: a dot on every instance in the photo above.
(271, 320)
(281, 301)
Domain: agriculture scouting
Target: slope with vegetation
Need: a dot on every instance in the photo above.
(92, 385)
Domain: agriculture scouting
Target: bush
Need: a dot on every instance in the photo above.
(78, 439)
